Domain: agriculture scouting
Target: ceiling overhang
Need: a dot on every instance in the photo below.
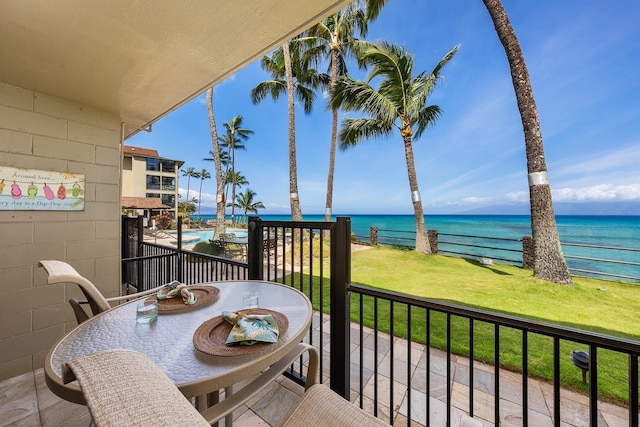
(142, 59)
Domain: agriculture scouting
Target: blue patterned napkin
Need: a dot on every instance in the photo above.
(249, 329)
(176, 289)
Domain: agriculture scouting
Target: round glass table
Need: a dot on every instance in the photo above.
(169, 340)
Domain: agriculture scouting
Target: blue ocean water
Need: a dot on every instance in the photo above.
(574, 230)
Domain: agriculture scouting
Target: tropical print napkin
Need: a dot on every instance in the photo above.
(249, 329)
(176, 289)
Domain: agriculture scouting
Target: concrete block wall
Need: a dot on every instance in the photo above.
(46, 133)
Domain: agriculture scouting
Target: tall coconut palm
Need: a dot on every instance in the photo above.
(233, 140)
(549, 263)
(189, 172)
(245, 202)
(291, 77)
(399, 102)
(225, 159)
(203, 174)
(217, 160)
(236, 179)
(334, 38)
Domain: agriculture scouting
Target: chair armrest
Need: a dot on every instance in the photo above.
(134, 296)
(79, 312)
(228, 405)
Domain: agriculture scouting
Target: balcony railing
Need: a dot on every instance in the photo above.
(418, 316)
(296, 254)
(605, 262)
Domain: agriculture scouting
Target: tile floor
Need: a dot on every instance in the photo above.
(26, 401)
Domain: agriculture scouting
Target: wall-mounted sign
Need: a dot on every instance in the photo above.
(37, 190)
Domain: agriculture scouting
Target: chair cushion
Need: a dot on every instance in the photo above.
(126, 388)
(320, 406)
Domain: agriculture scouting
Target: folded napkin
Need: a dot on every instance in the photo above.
(175, 289)
(249, 329)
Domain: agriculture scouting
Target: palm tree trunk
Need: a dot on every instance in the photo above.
(296, 213)
(334, 135)
(422, 240)
(549, 263)
(233, 184)
(220, 209)
(199, 200)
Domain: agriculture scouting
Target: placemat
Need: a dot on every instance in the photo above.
(204, 295)
(211, 336)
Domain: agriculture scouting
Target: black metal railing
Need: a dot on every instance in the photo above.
(605, 262)
(159, 265)
(147, 265)
(468, 246)
(315, 258)
(417, 317)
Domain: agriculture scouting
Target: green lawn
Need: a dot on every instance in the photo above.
(606, 307)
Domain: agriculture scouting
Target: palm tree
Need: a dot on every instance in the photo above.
(400, 102)
(189, 172)
(203, 174)
(549, 263)
(218, 157)
(334, 38)
(233, 139)
(236, 180)
(245, 202)
(290, 76)
(225, 159)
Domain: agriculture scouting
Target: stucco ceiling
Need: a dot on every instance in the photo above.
(141, 59)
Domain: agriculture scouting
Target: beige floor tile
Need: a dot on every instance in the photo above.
(250, 419)
(399, 369)
(18, 399)
(276, 405)
(384, 392)
(401, 350)
(65, 414)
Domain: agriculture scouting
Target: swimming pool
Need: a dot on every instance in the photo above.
(192, 237)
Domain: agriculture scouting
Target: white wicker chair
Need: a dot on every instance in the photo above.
(62, 272)
(124, 387)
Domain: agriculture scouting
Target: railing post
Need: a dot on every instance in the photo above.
(373, 235)
(432, 235)
(527, 252)
(255, 249)
(340, 363)
(180, 253)
(139, 252)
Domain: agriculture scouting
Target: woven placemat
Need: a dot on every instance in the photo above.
(211, 336)
(204, 295)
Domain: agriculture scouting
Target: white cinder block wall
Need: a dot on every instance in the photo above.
(46, 133)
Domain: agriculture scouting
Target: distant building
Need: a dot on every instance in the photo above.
(149, 182)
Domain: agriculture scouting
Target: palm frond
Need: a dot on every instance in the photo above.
(354, 131)
(306, 96)
(373, 8)
(426, 117)
(274, 88)
(445, 60)
(357, 95)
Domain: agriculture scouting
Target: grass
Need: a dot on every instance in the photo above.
(606, 307)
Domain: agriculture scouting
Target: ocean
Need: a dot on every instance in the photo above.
(603, 231)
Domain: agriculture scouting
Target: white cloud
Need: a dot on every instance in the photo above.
(599, 193)
(596, 193)
(517, 197)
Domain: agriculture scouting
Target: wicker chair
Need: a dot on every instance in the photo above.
(124, 387)
(61, 272)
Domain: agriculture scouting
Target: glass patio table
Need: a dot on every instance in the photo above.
(169, 340)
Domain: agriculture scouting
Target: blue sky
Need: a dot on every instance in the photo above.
(584, 63)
